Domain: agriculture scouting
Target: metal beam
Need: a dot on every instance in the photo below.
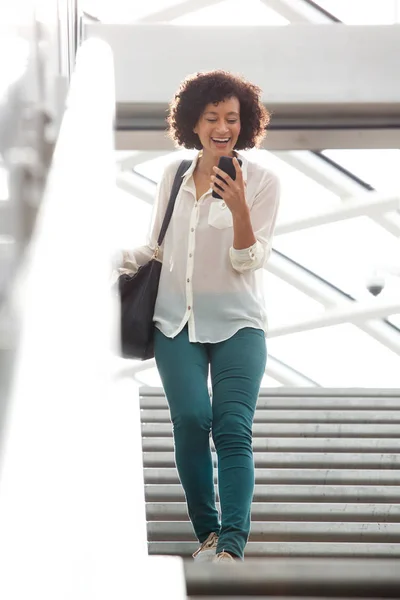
(176, 10)
(350, 314)
(367, 205)
(297, 11)
(285, 374)
(389, 222)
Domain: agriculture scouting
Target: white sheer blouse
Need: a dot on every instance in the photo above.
(205, 282)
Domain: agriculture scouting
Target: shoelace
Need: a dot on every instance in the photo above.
(208, 543)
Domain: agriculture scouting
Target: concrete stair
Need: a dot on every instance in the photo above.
(327, 489)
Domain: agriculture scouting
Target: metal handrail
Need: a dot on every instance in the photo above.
(72, 512)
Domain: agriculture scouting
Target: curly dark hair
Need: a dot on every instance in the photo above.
(200, 89)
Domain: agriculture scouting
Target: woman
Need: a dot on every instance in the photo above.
(209, 313)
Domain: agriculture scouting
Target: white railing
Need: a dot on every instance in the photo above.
(72, 512)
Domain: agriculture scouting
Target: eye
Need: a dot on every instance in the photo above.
(212, 120)
(234, 121)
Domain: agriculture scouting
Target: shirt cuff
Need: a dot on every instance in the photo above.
(247, 259)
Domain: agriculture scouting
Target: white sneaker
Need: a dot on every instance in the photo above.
(207, 550)
(223, 557)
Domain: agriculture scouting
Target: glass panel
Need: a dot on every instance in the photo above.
(340, 356)
(344, 253)
(149, 377)
(233, 12)
(131, 220)
(379, 168)
(268, 382)
(395, 320)
(286, 303)
(154, 168)
(301, 196)
(363, 12)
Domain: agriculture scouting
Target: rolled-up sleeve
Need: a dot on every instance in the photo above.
(263, 215)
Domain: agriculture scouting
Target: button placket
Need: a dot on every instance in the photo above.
(190, 263)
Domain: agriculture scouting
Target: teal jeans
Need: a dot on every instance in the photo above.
(236, 367)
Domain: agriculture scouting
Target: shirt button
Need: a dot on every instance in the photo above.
(189, 307)
(188, 280)
(190, 255)
(192, 230)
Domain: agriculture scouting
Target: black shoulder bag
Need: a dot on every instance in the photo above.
(138, 292)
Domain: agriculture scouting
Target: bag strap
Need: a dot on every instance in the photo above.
(183, 167)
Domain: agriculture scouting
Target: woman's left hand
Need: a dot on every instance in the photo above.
(232, 192)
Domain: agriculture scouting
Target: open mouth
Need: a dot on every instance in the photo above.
(221, 141)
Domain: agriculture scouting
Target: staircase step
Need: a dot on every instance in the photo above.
(293, 493)
(303, 399)
(290, 531)
(288, 578)
(297, 444)
(267, 415)
(320, 430)
(327, 487)
(308, 460)
(295, 476)
(290, 511)
(292, 549)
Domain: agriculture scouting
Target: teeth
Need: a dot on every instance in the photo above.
(219, 140)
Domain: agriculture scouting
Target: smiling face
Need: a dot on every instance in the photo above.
(219, 126)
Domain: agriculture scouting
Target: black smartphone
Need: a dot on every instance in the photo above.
(226, 164)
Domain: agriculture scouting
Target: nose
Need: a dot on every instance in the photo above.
(221, 131)
(221, 128)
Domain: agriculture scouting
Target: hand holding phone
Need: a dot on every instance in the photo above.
(226, 164)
